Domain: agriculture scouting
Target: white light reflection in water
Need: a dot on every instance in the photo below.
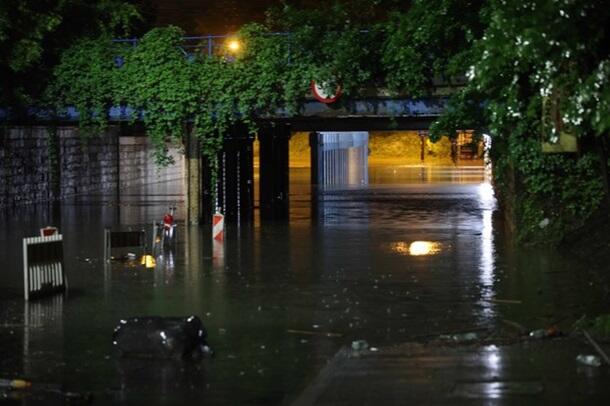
(492, 361)
(417, 248)
(487, 204)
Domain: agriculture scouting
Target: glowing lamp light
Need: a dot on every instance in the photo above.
(233, 45)
(418, 248)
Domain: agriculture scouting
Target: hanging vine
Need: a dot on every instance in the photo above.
(174, 90)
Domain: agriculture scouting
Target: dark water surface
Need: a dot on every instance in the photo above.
(388, 263)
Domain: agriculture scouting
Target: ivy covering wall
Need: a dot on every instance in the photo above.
(498, 59)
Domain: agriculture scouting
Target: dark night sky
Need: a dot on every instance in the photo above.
(198, 17)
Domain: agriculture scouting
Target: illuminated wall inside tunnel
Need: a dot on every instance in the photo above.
(342, 158)
(389, 148)
(398, 157)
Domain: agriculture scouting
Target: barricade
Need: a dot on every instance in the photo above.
(118, 244)
(48, 231)
(163, 236)
(43, 270)
(218, 227)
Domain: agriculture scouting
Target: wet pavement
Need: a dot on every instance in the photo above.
(395, 264)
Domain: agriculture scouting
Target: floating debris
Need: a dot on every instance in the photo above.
(548, 332)
(321, 333)
(15, 383)
(360, 345)
(460, 338)
(161, 337)
(589, 360)
(540, 333)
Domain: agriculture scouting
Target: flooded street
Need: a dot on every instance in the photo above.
(406, 259)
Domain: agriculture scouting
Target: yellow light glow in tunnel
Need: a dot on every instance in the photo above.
(418, 248)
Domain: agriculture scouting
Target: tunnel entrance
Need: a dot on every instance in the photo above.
(322, 164)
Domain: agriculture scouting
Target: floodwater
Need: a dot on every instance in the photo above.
(405, 259)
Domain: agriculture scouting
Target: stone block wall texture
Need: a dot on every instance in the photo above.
(85, 167)
(24, 165)
(29, 174)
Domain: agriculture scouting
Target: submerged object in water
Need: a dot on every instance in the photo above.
(161, 337)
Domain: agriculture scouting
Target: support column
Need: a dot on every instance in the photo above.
(274, 172)
(193, 181)
(316, 157)
(235, 187)
(422, 140)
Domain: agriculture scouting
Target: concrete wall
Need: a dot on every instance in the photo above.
(37, 166)
(137, 166)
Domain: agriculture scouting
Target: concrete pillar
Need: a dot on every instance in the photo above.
(422, 140)
(236, 177)
(274, 171)
(234, 189)
(193, 179)
(316, 157)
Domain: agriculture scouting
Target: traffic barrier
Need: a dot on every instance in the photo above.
(218, 227)
(48, 231)
(118, 244)
(43, 270)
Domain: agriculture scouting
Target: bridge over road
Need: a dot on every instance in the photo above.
(235, 189)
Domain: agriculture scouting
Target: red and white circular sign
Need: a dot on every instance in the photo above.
(322, 95)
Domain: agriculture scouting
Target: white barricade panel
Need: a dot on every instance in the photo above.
(43, 271)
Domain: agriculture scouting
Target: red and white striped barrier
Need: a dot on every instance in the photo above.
(218, 227)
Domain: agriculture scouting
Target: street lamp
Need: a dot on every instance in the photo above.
(234, 45)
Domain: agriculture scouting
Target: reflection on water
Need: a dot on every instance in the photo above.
(416, 248)
(486, 264)
(43, 323)
(402, 174)
(424, 248)
(351, 271)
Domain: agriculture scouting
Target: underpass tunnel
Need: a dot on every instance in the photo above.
(324, 161)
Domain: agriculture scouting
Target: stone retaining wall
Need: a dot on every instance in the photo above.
(38, 166)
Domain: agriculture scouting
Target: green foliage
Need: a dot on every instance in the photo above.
(564, 189)
(499, 59)
(157, 80)
(33, 33)
(429, 44)
(527, 51)
(598, 326)
(83, 79)
(210, 94)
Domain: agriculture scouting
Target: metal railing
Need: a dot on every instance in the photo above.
(206, 45)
